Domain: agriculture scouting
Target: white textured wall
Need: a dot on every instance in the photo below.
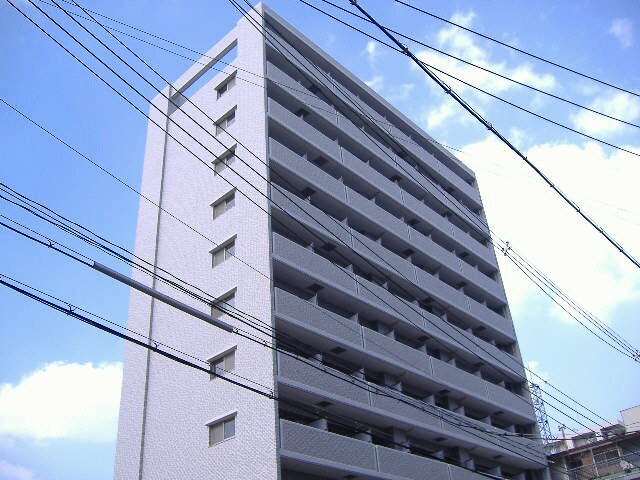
(170, 419)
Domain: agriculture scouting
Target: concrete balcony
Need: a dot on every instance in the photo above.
(302, 375)
(391, 351)
(295, 90)
(310, 216)
(471, 194)
(320, 222)
(465, 241)
(465, 306)
(301, 128)
(320, 321)
(322, 181)
(309, 445)
(377, 214)
(375, 252)
(300, 381)
(300, 259)
(463, 343)
(371, 176)
(299, 166)
(315, 451)
(317, 326)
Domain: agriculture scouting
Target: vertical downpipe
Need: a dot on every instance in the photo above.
(153, 280)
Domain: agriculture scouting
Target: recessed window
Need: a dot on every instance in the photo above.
(220, 304)
(225, 203)
(226, 121)
(224, 160)
(223, 252)
(225, 362)
(226, 85)
(222, 430)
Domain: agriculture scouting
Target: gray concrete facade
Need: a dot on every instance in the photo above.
(398, 357)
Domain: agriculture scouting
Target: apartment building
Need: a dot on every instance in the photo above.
(608, 451)
(313, 206)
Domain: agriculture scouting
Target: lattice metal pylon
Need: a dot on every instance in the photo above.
(541, 413)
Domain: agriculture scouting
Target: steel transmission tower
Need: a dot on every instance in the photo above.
(541, 413)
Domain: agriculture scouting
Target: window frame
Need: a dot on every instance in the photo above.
(226, 356)
(224, 159)
(224, 200)
(230, 295)
(221, 423)
(226, 120)
(223, 248)
(226, 85)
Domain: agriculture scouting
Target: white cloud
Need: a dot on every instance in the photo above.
(461, 44)
(376, 82)
(463, 19)
(526, 212)
(436, 116)
(622, 29)
(537, 376)
(620, 105)
(63, 400)
(372, 51)
(9, 471)
(400, 92)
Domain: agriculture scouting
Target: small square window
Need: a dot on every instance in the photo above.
(222, 364)
(226, 121)
(224, 160)
(223, 253)
(224, 204)
(228, 300)
(226, 85)
(223, 430)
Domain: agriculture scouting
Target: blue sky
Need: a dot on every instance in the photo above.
(60, 380)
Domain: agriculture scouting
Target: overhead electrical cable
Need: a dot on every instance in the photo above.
(414, 40)
(82, 155)
(501, 137)
(207, 64)
(633, 351)
(519, 50)
(426, 65)
(475, 65)
(262, 193)
(102, 270)
(360, 383)
(468, 214)
(376, 433)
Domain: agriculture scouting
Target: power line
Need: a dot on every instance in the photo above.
(212, 67)
(532, 55)
(496, 97)
(56, 137)
(472, 217)
(262, 193)
(479, 117)
(161, 127)
(412, 39)
(375, 432)
(261, 86)
(475, 65)
(70, 309)
(360, 383)
(102, 270)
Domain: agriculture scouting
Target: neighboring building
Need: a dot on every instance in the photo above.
(611, 451)
(377, 283)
